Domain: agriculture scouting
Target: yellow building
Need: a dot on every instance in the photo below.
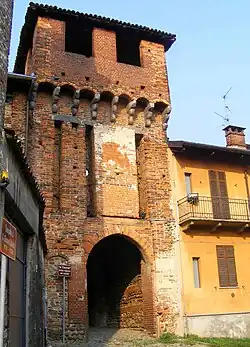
(211, 188)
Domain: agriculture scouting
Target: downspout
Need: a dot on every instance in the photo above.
(26, 128)
(247, 189)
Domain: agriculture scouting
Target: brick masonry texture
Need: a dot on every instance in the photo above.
(6, 7)
(126, 181)
(48, 58)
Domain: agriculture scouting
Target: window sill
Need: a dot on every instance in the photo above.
(237, 287)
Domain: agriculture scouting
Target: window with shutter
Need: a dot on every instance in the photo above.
(226, 266)
(219, 194)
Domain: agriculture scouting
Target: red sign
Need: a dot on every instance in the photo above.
(64, 270)
(8, 240)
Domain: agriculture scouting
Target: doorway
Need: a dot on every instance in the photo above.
(17, 293)
(114, 277)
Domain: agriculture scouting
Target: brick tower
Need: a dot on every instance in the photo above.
(94, 134)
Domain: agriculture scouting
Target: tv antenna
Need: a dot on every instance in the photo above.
(227, 111)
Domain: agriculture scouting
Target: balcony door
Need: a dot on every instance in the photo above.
(219, 195)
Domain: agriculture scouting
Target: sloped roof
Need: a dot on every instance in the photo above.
(211, 152)
(37, 10)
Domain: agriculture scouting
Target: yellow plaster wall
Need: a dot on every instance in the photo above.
(200, 181)
(210, 298)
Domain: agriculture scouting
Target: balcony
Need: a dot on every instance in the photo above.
(213, 213)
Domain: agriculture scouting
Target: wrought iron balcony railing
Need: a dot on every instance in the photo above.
(213, 208)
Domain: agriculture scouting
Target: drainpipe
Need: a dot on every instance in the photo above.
(26, 128)
(19, 76)
(247, 188)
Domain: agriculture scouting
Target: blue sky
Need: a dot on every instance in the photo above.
(211, 54)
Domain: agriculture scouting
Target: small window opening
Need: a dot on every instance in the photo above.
(128, 49)
(196, 270)
(188, 183)
(78, 38)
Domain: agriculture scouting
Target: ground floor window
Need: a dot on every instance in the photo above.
(226, 266)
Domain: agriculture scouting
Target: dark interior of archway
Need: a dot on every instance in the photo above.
(114, 284)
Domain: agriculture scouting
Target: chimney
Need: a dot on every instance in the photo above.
(235, 137)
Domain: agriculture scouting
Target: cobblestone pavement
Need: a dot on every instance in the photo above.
(122, 338)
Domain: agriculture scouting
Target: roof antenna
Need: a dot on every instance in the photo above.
(227, 110)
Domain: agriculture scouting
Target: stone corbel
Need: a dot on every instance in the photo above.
(148, 114)
(55, 98)
(33, 96)
(76, 103)
(114, 108)
(165, 116)
(94, 105)
(131, 111)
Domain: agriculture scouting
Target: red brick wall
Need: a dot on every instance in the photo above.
(57, 156)
(132, 305)
(236, 140)
(49, 58)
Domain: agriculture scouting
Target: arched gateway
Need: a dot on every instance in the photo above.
(119, 285)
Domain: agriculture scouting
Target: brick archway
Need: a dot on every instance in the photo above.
(119, 278)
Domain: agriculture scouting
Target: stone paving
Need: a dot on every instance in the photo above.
(122, 338)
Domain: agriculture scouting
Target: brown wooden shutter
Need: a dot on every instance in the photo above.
(213, 183)
(219, 194)
(232, 275)
(224, 202)
(222, 266)
(214, 191)
(226, 266)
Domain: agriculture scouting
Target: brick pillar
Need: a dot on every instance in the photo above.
(157, 204)
(78, 309)
(153, 58)
(73, 197)
(148, 301)
(48, 38)
(154, 180)
(41, 146)
(104, 44)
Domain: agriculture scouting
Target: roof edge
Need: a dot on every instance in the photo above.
(35, 10)
(180, 144)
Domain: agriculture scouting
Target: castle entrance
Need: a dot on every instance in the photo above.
(114, 275)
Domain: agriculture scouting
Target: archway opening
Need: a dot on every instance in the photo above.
(115, 295)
